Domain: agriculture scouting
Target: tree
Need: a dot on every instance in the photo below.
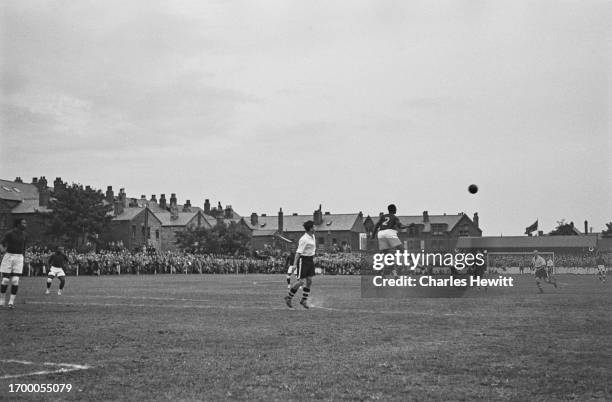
(79, 215)
(221, 239)
(563, 229)
(608, 231)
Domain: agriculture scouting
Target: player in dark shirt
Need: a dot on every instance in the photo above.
(57, 262)
(11, 268)
(386, 231)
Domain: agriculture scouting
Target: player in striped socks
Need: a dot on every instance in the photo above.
(304, 261)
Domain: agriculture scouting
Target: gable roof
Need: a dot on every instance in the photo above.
(293, 223)
(183, 218)
(449, 220)
(129, 213)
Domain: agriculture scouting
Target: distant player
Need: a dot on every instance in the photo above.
(538, 263)
(601, 268)
(386, 232)
(291, 269)
(57, 262)
(11, 268)
(550, 267)
(304, 261)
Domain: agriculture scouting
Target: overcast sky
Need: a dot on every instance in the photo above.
(292, 104)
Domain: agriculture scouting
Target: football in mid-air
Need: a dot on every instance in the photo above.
(472, 188)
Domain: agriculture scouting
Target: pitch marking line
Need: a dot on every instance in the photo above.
(63, 368)
(184, 306)
(137, 298)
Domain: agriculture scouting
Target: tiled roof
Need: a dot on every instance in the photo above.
(449, 220)
(29, 207)
(293, 223)
(183, 218)
(527, 242)
(10, 190)
(128, 214)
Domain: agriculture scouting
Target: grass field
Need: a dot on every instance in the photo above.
(224, 337)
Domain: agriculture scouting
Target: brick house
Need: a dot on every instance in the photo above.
(282, 231)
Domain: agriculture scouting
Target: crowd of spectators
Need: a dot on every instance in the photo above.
(560, 260)
(116, 262)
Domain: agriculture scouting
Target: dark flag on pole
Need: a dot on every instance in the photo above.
(531, 228)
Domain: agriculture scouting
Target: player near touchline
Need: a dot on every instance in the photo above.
(304, 261)
(11, 268)
(386, 232)
(57, 262)
(538, 263)
(601, 268)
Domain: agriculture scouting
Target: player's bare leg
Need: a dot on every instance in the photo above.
(3, 288)
(539, 285)
(49, 282)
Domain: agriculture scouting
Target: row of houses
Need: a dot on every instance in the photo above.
(155, 222)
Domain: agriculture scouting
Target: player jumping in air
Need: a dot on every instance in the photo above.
(304, 261)
(11, 268)
(57, 262)
(539, 265)
(601, 268)
(386, 231)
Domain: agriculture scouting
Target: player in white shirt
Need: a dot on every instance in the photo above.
(538, 263)
(304, 261)
(601, 268)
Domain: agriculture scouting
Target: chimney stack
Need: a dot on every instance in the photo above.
(187, 206)
(317, 216)
(173, 199)
(476, 221)
(18, 180)
(143, 197)
(280, 220)
(586, 227)
(123, 198)
(43, 192)
(425, 216)
(254, 219)
(228, 212)
(58, 185)
(110, 196)
(162, 201)
(207, 206)
(153, 198)
(34, 180)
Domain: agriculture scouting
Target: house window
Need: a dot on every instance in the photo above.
(133, 232)
(437, 230)
(148, 232)
(157, 234)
